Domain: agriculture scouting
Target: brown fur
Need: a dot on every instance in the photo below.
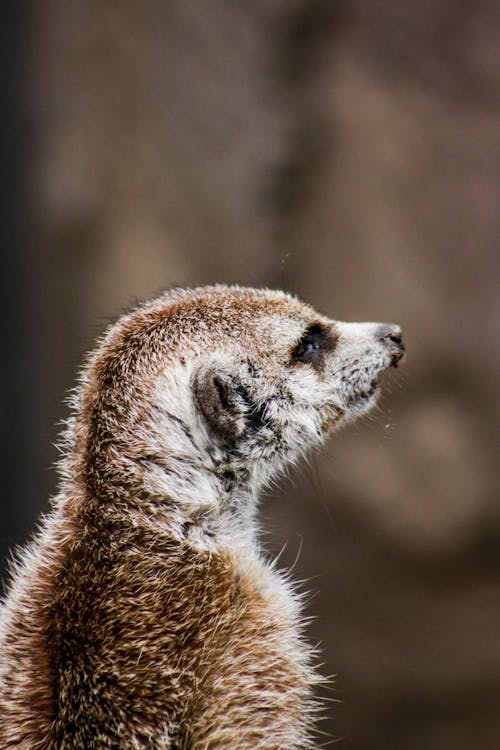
(133, 621)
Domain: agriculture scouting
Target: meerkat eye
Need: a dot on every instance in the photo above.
(310, 347)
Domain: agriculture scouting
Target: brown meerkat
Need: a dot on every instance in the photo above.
(143, 614)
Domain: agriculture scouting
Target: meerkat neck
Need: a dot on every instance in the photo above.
(202, 504)
(168, 484)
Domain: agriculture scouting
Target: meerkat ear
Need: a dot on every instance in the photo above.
(220, 398)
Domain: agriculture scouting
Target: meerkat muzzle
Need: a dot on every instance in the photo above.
(391, 336)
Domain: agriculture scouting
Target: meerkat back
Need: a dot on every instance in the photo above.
(143, 614)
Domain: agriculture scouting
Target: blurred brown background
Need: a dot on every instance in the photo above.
(346, 152)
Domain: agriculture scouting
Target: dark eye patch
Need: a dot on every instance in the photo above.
(316, 340)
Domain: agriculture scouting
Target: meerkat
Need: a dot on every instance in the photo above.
(144, 614)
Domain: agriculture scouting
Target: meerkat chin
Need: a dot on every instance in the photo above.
(144, 615)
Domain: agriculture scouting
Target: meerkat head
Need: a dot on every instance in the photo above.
(196, 400)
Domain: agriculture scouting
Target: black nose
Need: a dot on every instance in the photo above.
(392, 338)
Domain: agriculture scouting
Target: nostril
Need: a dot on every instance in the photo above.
(388, 331)
(393, 339)
(396, 338)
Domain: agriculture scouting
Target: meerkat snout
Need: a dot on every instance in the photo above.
(392, 337)
(144, 614)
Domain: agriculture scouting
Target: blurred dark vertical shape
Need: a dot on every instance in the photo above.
(18, 403)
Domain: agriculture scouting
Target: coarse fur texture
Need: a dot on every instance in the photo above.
(143, 614)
